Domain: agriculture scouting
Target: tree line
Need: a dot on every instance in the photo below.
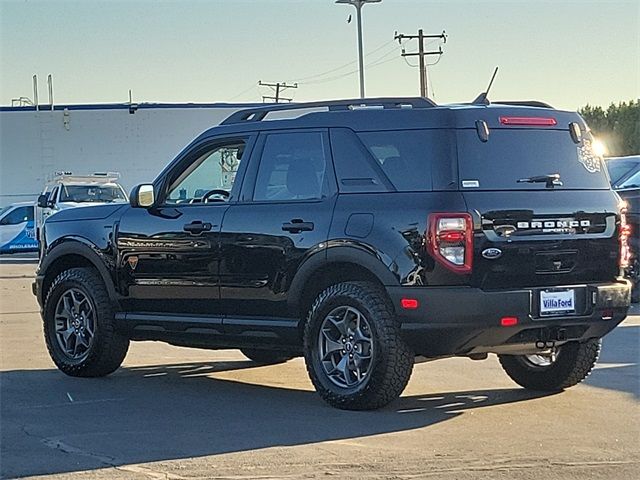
(618, 126)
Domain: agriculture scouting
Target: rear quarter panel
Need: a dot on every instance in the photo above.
(391, 227)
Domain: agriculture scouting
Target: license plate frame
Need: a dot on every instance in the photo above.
(557, 302)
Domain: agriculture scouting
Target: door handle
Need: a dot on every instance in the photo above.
(197, 227)
(297, 225)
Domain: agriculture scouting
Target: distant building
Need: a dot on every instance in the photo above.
(137, 140)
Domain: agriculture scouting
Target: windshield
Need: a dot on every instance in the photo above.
(4, 210)
(92, 193)
(524, 154)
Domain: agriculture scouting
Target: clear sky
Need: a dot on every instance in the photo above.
(567, 53)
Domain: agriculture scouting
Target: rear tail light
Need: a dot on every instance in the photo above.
(623, 237)
(450, 240)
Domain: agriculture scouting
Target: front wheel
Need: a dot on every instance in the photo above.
(564, 368)
(79, 325)
(353, 350)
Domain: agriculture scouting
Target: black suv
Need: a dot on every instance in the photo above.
(361, 234)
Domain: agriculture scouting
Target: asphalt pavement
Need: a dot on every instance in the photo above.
(179, 413)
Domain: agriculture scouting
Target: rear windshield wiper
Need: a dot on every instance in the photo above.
(551, 180)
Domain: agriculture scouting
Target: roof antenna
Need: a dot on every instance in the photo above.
(483, 99)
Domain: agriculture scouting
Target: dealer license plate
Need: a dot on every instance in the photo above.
(557, 302)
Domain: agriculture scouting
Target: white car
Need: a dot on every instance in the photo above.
(66, 190)
(17, 228)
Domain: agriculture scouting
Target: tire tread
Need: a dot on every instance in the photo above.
(398, 359)
(572, 366)
(109, 353)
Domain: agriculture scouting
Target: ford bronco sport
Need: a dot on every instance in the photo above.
(361, 234)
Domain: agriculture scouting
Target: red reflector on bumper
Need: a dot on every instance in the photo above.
(508, 321)
(409, 303)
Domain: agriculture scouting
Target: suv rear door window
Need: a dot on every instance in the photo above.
(513, 154)
(292, 167)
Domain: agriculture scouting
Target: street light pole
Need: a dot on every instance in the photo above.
(360, 48)
(358, 4)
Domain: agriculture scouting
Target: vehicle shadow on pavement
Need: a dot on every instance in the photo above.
(52, 423)
(619, 362)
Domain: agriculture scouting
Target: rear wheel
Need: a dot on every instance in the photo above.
(353, 350)
(567, 366)
(265, 356)
(79, 325)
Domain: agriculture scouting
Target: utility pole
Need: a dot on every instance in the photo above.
(277, 88)
(421, 37)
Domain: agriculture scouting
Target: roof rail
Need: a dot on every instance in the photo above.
(256, 114)
(525, 103)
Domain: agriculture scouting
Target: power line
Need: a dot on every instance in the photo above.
(253, 85)
(375, 50)
(374, 63)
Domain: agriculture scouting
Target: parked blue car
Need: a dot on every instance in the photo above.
(17, 228)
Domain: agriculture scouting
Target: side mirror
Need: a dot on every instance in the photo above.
(142, 196)
(43, 200)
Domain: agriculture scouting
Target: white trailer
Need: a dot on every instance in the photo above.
(137, 140)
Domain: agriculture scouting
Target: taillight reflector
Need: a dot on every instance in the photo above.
(450, 240)
(409, 303)
(508, 321)
(449, 236)
(531, 121)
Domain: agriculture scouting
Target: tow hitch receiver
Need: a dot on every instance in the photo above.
(549, 336)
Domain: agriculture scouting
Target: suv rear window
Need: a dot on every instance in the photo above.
(512, 154)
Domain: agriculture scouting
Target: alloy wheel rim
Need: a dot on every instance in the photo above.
(74, 324)
(345, 347)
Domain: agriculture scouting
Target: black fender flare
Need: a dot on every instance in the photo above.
(361, 254)
(78, 248)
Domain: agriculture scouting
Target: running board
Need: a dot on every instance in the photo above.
(263, 329)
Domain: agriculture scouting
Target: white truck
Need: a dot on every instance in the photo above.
(65, 190)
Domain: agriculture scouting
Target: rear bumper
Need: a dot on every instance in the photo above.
(464, 320)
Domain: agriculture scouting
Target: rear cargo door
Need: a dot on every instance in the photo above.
(538, 233)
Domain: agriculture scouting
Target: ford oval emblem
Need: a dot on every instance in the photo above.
(492, 253)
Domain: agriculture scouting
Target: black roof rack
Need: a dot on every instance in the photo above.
(256, 114)
(525, 103)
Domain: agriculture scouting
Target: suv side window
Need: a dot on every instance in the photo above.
(405, 157)
(356, 170)
(215, 168)
(17, 216)
(293, 166)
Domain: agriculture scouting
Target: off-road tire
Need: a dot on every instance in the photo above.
(573, 364)
(392, 361)
(108, 348)
(266, 357)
